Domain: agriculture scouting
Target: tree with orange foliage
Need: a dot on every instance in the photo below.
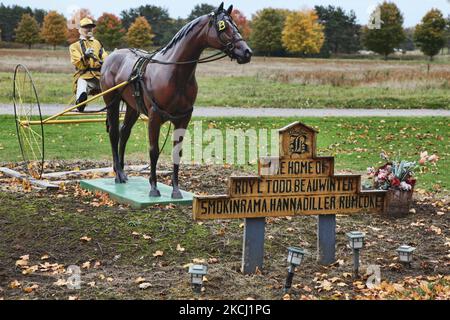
(140, 34)
(110, 30)
(54, 29)
(241, 21)
(303, 33)
(74, 23)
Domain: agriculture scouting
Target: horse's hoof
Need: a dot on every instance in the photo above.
(121, 178)
(177, 195)
(154, 193)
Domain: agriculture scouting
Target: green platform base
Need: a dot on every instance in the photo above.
(135, 192)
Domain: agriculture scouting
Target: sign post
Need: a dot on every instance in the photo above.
(297, 182)
(253, 245)
(326, 239)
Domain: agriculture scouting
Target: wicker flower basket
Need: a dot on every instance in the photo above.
(397, 203)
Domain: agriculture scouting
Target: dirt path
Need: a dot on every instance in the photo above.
(276, 112)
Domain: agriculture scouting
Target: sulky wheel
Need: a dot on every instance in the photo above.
(30, 129)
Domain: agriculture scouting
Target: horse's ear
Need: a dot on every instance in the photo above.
(230, 10)
(220, 8)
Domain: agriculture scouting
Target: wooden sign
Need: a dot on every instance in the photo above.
(295, 183)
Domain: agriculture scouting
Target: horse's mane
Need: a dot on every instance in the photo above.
(181, 34)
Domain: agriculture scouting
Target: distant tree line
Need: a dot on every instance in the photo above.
(322, 31)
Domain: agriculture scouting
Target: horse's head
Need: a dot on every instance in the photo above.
(224, 35)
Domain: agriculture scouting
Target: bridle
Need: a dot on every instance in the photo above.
(227, 45)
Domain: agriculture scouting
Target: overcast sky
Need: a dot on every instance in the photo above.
(413, 10)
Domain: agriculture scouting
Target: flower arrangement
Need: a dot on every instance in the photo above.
(398, 174)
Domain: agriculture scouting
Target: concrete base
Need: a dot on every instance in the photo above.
(136, 192)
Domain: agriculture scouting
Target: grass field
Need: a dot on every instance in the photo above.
(355, 142)
(270, 82)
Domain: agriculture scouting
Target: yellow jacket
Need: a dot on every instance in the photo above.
(87, 68)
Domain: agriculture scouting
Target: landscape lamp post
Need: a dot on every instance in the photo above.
(405, 254)
(356, 242)
(295, 258)
(197, 272)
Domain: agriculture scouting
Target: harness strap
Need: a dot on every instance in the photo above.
(167, 116)
(137, 74)
(140, 89)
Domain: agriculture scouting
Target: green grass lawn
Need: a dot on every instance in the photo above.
(355, 142)
(249, 91)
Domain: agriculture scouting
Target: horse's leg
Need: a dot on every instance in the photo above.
(177, 153)
(154, 127)
(131, 116)
(113, 113)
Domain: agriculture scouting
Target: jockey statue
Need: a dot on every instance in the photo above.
(87, 55)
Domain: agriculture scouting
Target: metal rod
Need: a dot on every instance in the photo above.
(356, 263)
(85, 102)
(75, 114)
(73, 121)
(290, 277)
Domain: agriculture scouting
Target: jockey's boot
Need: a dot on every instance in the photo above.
(82, 98)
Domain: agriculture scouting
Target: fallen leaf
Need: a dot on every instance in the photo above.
(198, 261)
(30, 270)
(139, 280)
(180, 248)
(325, 285)
(91, 284)
(109, 279)
(146, 237)
(398, 287)
(158, 253)
(334, 279)
(307, 289)
(23, 261)
(14, 284)
(85, 239)
(97, 264)
(286, 297)
(30, 289)
(213, 260)
(145, 285)
(205, 279)
(60, 283)
(73, 298)
(437, 230)
(359, 285)
(45, 257)
(86, 265)
(440, 213)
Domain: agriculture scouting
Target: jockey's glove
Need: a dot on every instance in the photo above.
(89, 53)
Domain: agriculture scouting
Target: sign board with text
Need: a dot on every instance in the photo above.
(298, 182)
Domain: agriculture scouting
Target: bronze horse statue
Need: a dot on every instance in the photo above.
(168, 87)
